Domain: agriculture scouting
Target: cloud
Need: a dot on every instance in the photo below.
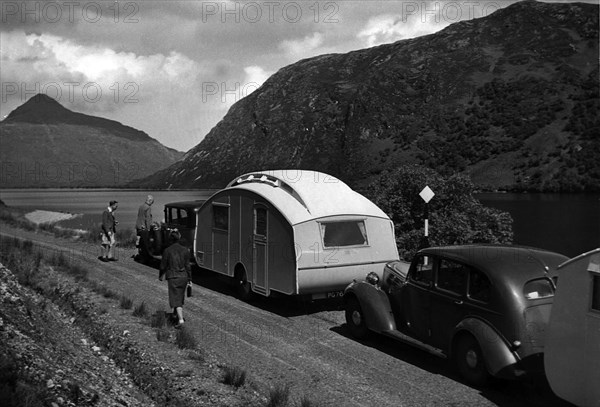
(388, 28)
(304, 48)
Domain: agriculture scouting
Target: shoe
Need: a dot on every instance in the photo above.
(111, 259)
(104, 259)
(179, 324)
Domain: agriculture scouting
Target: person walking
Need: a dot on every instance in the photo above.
(175, 266)
(143, 225)
(109, 230)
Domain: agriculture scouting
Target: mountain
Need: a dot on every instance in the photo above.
(510, 99)
(45, 144)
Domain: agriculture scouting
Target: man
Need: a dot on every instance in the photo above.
(143, 225)
(175, 266)
(109, 230)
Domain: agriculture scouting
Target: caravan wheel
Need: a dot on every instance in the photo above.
(243, 288)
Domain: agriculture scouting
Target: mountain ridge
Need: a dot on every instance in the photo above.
(510, 99)
(46, 145)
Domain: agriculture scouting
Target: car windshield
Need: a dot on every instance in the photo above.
(540, 288)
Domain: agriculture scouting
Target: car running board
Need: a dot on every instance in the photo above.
(415, 342)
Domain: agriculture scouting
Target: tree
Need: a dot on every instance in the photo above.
(455, 215)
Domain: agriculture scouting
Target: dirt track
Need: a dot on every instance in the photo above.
(304, 345)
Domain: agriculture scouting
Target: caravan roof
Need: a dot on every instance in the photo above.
(303, 195)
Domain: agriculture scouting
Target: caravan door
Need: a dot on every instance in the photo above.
(220, 237)
(260, 248)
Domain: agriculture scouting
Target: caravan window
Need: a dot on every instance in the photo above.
(348, 233)
(220, 217)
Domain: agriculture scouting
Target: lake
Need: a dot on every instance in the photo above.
(90, 203)
(565, 223)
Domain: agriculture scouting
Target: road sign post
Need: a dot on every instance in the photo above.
(426, 194)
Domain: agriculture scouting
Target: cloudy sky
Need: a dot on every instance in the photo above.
(173, 68)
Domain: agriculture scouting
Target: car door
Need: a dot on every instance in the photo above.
(448, 300)
(413, 306)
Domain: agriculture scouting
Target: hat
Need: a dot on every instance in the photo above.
(111, 203)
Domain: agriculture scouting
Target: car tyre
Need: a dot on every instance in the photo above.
(355, 319)
(470, 362)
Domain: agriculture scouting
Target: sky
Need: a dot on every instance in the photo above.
(174, 68)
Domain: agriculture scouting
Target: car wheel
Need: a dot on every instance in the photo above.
(243, 288)
(470, 361)
(356, 319)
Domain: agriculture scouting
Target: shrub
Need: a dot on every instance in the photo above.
(126, 302)
(279, 396)
(455, 216)
(185, 339)
(158, 320)
(234, 376)
(141, 310)
(163, 334)
(306, 402)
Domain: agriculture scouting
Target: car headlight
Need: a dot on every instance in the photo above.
(372, 278)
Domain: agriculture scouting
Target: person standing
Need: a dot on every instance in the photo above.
(143, 225)
(175, 266)
(109, 230)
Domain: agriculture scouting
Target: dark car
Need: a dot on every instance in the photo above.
(484, 306)
(180, 216)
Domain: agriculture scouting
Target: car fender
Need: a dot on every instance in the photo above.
(375, 305)
(500, 359)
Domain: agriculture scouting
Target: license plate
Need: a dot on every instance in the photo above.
(335, 294)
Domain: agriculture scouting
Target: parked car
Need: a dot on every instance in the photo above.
(178, 215)
(486, 307)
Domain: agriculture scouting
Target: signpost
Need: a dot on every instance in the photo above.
(426, 194)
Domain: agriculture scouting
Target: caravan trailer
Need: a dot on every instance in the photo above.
(572, 349)
(292, 232)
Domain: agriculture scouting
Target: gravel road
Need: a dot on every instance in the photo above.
(304, 345)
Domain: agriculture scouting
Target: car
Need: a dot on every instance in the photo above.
(485, 307)
(180, 216)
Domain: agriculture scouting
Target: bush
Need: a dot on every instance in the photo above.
(185, 339)
(163, 334)
(141, 310)
(279, 396)
(158, 320)
(455, 216)
(126, 302)
(234, 376)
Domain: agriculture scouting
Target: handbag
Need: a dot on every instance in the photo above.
(189, 290)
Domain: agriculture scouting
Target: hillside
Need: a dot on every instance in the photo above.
(510, 99)
(47, 145)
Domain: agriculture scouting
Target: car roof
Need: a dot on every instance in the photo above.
(186, 204)
(516, 263)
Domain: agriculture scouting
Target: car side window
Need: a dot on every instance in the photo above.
(480, 288)
(422, 272)
(452, 277)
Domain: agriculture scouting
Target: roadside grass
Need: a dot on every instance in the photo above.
(140, 311)
(234, 376)
(14, 389)
(163, 334)
(185, 339)
(279, 396)
(28, 262)
(305, 401)
(158, 320)
(198, 355)
(126, 302)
